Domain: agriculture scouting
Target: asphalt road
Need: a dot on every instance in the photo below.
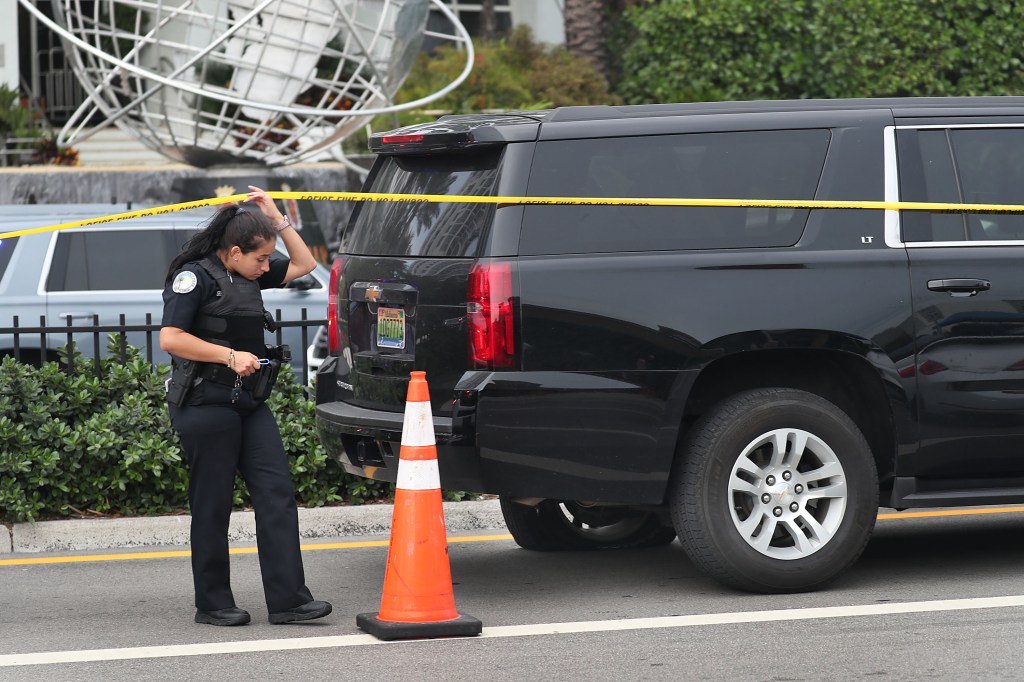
(932, 598)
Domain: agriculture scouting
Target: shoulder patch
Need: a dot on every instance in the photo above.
(184, 282)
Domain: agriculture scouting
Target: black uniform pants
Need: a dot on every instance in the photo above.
(219, 438)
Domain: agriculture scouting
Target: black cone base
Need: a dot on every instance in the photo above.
(387, 630)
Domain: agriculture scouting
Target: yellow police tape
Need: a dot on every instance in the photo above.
(933, 207)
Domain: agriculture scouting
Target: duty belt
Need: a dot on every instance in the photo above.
(219, 374)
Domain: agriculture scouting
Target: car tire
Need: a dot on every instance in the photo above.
(554, 526)
(762, 520)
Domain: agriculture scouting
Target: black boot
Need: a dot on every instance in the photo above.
(307, 611)
(229, 616)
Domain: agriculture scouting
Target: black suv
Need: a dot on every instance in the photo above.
(757, 380)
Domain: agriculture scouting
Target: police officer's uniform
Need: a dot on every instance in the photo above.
(223, 428)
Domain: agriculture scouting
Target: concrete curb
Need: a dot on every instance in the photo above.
(321, 522)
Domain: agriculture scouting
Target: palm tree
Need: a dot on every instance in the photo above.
(586, 32)
(488, 22)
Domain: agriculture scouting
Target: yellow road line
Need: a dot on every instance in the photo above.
(86, 558)
(951, 512)
(522, 201)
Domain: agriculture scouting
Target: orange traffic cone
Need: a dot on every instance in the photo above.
(418, 599)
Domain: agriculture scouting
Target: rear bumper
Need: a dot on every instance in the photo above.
(367, 443)
(343, 418)
(556, 435)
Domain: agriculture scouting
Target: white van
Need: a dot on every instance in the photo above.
(104, 271)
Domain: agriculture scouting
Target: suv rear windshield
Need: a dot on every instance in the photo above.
(437, 230)
(771, 164)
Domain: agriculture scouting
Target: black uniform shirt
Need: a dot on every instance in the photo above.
(191, 286)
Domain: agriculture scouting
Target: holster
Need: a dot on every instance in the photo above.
(183, 373)
(266, 378)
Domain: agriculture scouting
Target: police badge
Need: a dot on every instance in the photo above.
(184, 282)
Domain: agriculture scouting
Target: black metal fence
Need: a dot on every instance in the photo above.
(47, 348)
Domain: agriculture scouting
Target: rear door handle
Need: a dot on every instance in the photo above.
(76, 316)
(960, 287)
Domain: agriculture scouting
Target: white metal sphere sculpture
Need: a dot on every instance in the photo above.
(211, 82)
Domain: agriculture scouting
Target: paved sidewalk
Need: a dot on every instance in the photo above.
(320, 522)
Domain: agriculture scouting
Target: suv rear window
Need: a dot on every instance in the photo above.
(438, 230)
(780, 164)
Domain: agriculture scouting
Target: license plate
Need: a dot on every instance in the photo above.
(390, 328)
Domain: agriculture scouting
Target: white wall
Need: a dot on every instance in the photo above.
(544, 17)
(9, 43)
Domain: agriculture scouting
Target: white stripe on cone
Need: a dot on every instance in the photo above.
(418, 424)
(418, 474)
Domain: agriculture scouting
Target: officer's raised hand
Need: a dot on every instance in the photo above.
(266, 205)
(301, 258)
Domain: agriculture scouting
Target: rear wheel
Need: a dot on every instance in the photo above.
(553, 526)
(775, 491)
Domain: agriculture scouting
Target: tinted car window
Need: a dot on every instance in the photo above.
(990, 166)
(990, 163)
(436, 230)
(926, 174)
(115, 260)
(749, 165)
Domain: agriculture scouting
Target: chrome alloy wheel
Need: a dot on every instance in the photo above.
(788, 494)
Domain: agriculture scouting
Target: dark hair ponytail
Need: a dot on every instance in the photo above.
(230, 226)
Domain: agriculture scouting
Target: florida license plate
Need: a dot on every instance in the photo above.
(390, 328)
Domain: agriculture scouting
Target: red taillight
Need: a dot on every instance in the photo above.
(333, 332)
(930, 367)
(401, 139)
(490, 315)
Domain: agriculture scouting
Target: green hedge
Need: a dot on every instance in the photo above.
(73, 445)
(690, 50)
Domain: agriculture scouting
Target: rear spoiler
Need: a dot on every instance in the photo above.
(459, 133)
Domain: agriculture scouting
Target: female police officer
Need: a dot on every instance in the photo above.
(213, 327)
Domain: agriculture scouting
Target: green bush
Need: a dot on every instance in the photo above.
(16, 121)
(688, 50)
(515, 72)
(78, 444)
